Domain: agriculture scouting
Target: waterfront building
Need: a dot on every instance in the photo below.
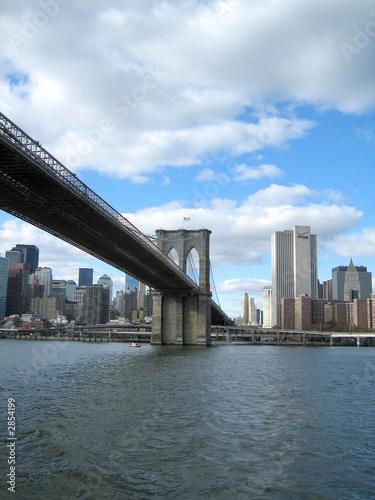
(253, 312)
(327, 290)
(303, 312)
(59, 288)
(35, 289)
(148, 304)
(71, 310)
(129, 303)
(362, 314)
(70, 287)
(4, 270)
(106, 282)
(30, 255)
(78, 295)
(48, 307)
(14, 256)
(358, 279)
(267, 306)
(95, 305)
(18, 289)
(131, 283)
(141, 300)
(317, 311)
(294, 266)
(245, 309)
(118, 300)
(85, 276)
(287, 313)
(44, 277)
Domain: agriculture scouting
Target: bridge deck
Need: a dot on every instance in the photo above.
(37, 188)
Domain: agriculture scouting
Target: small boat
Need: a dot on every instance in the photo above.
(134, 344)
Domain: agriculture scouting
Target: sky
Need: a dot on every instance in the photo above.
(249, 117)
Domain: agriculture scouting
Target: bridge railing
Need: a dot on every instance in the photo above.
(11, 132)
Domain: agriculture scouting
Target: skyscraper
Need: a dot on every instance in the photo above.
(245, 309)
(294, 266)
(18, 289)
(4, 270)
(131, 283)
(85, 276)
(106, 281)
(355, 278)
(44, 277)
(267, 307)
(30, 255)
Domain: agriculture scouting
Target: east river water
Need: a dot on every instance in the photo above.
(232, 422)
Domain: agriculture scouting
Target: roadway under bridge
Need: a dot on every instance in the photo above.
(38, 189)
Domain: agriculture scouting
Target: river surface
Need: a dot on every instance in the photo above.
(231, 422)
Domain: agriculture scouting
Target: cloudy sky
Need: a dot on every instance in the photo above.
(246, 116)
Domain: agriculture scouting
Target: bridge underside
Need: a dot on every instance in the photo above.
(36, 188)
(34, 195)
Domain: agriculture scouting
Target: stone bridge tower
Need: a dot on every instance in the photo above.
(184, 319)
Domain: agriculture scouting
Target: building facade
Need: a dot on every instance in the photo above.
(44, 277)
(106, 282)
(18, 289)
(48, 307)
(4, 270)
(30, 255)
(85, 276)
(267, 306)
(294, 266)
(358, 280)
(95, 305)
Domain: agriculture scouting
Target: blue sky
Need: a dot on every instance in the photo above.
(247, 117)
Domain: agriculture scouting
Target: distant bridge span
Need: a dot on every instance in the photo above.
(38, 189)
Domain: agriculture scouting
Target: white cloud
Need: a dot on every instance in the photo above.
(206, 175)
(243, 285)
(246, 173)
(170, 80)
(356, 244)
(235, 240)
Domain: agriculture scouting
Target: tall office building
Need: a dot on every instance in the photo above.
(30, 254)
(294, 266)
(4, 270)
(357, 279)
(245, 309)
(14, 256)
(85, 276)
(18, 289)
(70, 287)
(106, 281)
(131, 283)
(253, 313)
(95, 305)
(267, 307)
(44, 277)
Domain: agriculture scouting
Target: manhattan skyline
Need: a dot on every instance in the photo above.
(248, 119)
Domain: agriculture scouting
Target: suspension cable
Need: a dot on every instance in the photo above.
(214, 286)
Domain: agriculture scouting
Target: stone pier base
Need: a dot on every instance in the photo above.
(181, 320)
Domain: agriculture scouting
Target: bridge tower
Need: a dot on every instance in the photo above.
(184, 319)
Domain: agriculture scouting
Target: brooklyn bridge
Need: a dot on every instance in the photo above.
(40, 190)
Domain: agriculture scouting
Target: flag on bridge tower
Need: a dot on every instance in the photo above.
(185, 219)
